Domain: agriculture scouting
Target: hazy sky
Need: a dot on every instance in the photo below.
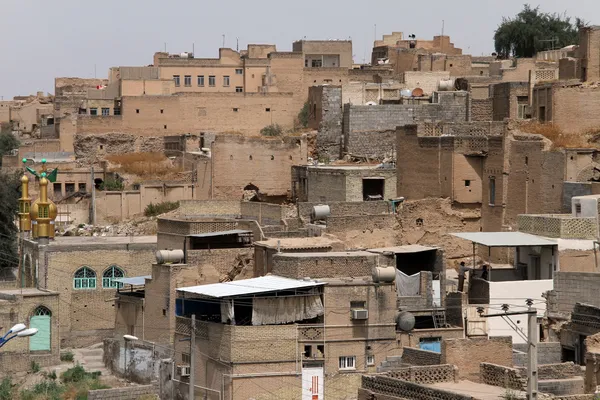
(43, 39)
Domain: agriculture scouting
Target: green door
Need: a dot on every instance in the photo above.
(41, 321)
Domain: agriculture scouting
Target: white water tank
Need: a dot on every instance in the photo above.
(446, 85)
(169, 256)
(321, 211)
(405, 92)
(384, 274)
(405, 321)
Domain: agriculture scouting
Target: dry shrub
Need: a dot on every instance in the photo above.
(150, 165)
(554, 134)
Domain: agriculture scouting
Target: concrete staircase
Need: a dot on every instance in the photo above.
(90, 358)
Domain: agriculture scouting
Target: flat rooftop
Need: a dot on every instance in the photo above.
(476, 390)
(328, 254)
(352, 167)
(297, 243)
(27, 292)
(77, 240)
(409, 248)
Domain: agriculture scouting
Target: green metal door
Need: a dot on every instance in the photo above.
(41, 340)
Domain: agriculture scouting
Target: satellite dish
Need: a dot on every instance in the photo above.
(405, 321)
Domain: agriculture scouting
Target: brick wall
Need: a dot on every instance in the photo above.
(502, 376)
(210, 208)
(78, 327)
(482, 109)
(468, 353)
(562, 387)
(323, 265)
(505, 99)
(123, 393)
(571, 108)
(414, 356)
(265, 163)
(369, 131)
(218, 112)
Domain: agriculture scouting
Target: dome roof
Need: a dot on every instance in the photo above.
(53, 210)
(34, 210)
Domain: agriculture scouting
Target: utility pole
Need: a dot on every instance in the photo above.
(531, 340)
(192, 357)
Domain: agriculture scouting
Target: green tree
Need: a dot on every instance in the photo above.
(8, 142)
(303, 115)
(9, 199)
(531, 31)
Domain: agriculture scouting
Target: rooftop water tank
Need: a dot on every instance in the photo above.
(405, 321)
(405, 92)
(446, 85)
(384, 274)
(169, 256)
(321, 211)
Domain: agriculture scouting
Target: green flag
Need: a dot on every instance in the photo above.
(33, 171)
(52, 175)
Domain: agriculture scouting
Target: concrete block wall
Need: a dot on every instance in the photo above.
(369, 131)
(548, 353)
(574, 287)
(468, 354)
(562, 387)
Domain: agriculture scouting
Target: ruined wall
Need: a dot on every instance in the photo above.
(506, 97)
(325, 110)
(365, 231)
(92, 147)
(589, 53)
(262, 162)
(370, 131)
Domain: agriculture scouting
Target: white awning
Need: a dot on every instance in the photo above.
(505, 239)
(263, 284)
(134, 281)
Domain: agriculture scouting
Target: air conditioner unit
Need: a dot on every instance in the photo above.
(183, 370)
(360, 314)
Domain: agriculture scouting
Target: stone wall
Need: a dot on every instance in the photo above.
(123, 393)
(323, 265)
(414, 356)
(562, 387)
(210, 208)
(468, 353)
(370, 131)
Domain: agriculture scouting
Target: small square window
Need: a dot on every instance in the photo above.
(239, 71)
(69, 188)
(117, 111)
(137, 110)
(162, 111)
(165, 127)
(370, 360)
(177, 80)
(57, 187)
(164, 312)
(347, 362)
(200, 80)
(82, 187)
(187, 80)
(212, 80)
(186, 359)
(226, 81)
(93, 111)
(467, 182)
(236, 109)
(105, 111)
(267, 109)
(239, 89)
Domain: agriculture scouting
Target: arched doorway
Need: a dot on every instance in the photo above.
(251, 193)
(41, 319)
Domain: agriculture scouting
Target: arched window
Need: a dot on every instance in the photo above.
(85, 278)
(41, 310)
(109, 275)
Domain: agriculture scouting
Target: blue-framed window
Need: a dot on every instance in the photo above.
(109, 276)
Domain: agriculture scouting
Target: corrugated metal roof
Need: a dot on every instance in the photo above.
(221, 233)
(263, 284)
(505, 239)
(135, 280)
